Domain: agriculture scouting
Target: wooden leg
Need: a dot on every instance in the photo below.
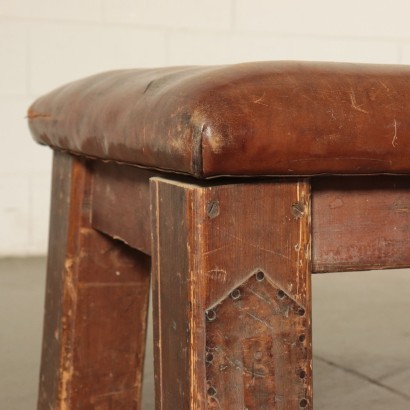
(96, 305)
(231, 294)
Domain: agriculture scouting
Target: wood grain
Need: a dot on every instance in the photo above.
(96, 304)
(256, 353)
(208, 241)
(121, 206)
(361, 223)
(52, 347)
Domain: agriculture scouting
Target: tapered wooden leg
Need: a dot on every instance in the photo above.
(232, 307)
(96, 305)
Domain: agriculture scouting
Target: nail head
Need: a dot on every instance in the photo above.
(260, 276)
(210, 315)
(212, 391)
(236, 294)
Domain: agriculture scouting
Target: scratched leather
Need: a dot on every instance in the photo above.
(264, 118)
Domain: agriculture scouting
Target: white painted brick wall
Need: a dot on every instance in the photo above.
(348, 18)
(188, 14)
(45, 43)
(61, 52)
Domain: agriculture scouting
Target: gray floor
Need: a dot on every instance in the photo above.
(361, 338)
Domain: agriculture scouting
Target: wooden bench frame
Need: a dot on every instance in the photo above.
(231, 261)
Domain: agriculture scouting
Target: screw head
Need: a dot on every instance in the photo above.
(212, 209)
(298, 209)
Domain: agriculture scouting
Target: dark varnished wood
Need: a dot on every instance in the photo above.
(51, 385)
(200, 255)
(361, 223)
(358, 223)
(121, 203)
(256, 348)
(96, 305)
(210, 241)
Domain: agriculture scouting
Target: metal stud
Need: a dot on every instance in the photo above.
(211, 391)
(301, 311)
(209, 357)
(236, 294)
(210, 315)
(260, 276)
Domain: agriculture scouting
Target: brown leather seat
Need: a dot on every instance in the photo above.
(266, 118)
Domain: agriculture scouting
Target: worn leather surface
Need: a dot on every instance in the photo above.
(266, 118)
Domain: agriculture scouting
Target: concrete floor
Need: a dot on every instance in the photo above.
(361, 338)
